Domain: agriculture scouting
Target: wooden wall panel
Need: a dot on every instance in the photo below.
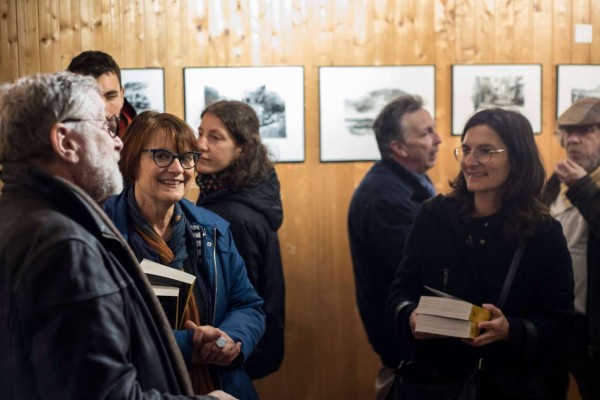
(9, 43)
(49, 33)
(327, 353)
(70, 31)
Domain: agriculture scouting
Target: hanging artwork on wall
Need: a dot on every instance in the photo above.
(144, 88)
(574, 82)
(350, 98)
(275, 93)
(515, 87)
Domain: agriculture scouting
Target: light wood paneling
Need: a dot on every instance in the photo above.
(327, 353)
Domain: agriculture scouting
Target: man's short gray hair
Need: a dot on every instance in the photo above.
(30, 107)
(388, 124)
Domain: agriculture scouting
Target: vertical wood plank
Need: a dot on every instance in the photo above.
(96, 27)
(580, 14)
(154, 20)
(28, 35)
(196, 33)
(111, 29)
(424, 36)
(49, 35)
(70, 31)
(523, 32)
(133, 33)
(384, 21)
(485, 34)
(9, 42)
(173, 63)
(562, 35)
(87, 37)
(465, 30)
(542, 25)
(446, 55)
(505, 31)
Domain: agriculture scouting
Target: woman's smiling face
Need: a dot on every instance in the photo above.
(161, 185)
(489, 176)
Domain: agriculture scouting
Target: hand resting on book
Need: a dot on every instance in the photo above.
(497, 329)
(206, 350)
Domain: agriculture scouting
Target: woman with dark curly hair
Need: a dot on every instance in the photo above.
(237, 181)
(463, 244)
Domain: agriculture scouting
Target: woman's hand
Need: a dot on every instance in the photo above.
(206, 345)
(495, 330)
(412, 321)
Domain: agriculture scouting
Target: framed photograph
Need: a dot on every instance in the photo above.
(515, 87)
(144, 88)
(350, 98)
(275, 93)
(574, 82)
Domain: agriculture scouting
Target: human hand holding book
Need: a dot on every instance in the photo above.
(446, 315)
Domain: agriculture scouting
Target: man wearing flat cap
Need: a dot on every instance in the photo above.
(573, 194)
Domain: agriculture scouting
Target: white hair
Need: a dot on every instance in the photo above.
(30, 107)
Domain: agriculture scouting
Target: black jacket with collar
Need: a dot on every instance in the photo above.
(469, 259)
(77, 317)
(380, 217)
(255, 214)
(585, 195)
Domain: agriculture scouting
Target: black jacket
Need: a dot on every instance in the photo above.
(585, 195)
(78, 319)
(255, 214)
(469, 259)
(381, 214)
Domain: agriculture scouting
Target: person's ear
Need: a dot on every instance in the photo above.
(65, 143)
(399, 149)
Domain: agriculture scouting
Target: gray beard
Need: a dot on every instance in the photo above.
(100, 176)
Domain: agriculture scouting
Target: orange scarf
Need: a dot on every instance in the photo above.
(199, 373)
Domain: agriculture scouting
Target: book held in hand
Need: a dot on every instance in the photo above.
(168, 297)
(173, 288)
(448, 316)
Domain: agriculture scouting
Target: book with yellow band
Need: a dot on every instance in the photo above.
(446, 315)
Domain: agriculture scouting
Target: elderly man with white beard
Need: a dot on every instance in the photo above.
(78, 320)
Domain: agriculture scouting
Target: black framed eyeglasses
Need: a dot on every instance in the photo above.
(481, 154)
(164, 158)
(111, 124)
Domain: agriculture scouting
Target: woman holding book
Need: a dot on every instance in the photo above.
(237, 181)
(463, 245)
(225, 318)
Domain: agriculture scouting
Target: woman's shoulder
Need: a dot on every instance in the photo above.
(202, 216)
(440, 205)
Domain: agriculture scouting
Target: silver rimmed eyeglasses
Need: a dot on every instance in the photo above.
(164, 158)
(111, 124)
(481, 154)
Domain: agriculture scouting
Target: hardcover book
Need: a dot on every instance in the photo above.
(163, 280)
(449, 316)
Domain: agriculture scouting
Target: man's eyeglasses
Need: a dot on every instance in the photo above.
(481, 154)
(579, 130)
(111, 124)
(164, 158)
